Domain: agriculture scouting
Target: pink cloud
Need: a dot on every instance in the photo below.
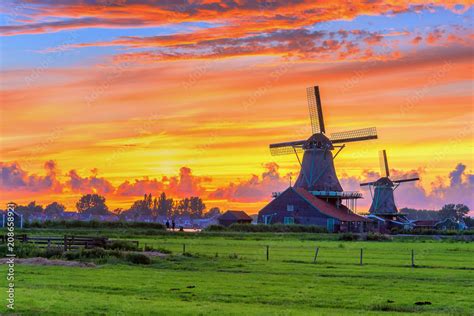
(14, 178)
(256, 188)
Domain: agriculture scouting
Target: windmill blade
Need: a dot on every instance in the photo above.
(315, 110)
(406, 180)
(367, 183)
(354, 136)
(384, 163)
(286, 148)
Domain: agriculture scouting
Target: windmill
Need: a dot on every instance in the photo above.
(383, 202)
(317, 173)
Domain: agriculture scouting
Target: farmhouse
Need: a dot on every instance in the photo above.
(298, 206)
(234, 217)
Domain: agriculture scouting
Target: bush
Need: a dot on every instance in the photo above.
(53, 252)
(348, 237)
(138, 258)
(121, 245)
(377, 237)
(72, 255)
(215, 228)
(23, 250)
(94, 253)
(158, 249)
(115, 253)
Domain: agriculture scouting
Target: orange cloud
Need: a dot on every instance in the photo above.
(248, 16)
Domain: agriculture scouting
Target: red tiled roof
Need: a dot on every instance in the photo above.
(342, 213)
(235, 215)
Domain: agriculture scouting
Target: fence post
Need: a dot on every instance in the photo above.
(184, 249)
(65, 242)
(412, 258)
(268, 252)
(316, 255)
(361, 255)
(144, 247)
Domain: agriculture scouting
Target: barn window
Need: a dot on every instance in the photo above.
(290, 207)
(289, 220)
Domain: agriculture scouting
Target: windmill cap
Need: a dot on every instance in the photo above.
(384, 181)
(318, 140)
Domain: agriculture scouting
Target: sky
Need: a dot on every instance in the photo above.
(126, 97)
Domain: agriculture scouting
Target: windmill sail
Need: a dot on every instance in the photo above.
(384, 170)
(406, 180)
(286, 148)
(317, 165)
(354, 136)
(315, 110)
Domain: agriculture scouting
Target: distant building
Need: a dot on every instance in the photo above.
(234, 217)
(450, 224)
(424, 224)
(17, 218)
(445, 224)
(299, 206)
(385, 223)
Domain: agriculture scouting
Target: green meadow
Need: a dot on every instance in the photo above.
(229, 274)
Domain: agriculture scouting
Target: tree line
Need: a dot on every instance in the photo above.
(149, 206)
(457, 212)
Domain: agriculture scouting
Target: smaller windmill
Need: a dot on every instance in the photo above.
(383, 201)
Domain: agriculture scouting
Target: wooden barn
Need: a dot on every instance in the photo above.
(234, 217)
(299, 206)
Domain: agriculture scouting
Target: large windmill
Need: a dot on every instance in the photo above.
(383, 201)
(316, 197)
(317, 166)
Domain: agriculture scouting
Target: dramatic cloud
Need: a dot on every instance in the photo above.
(186, 184)
(139, 187)
(250, 16)
(299, 43)
(91, 184)
(254, 189)
(14, 178)
(457, 187)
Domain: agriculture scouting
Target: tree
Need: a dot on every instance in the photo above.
(92, 204)
(54, 210)
(165, 205)
(183, 207)
(456, 211)
(32, 209)
(196, 206)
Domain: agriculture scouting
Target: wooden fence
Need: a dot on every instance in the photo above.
(68, 242)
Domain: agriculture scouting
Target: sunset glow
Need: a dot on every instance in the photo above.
(125, 97)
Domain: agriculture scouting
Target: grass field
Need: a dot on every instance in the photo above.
(230, 275)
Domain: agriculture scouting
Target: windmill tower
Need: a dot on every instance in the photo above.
(383, 201)
(317, 174)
